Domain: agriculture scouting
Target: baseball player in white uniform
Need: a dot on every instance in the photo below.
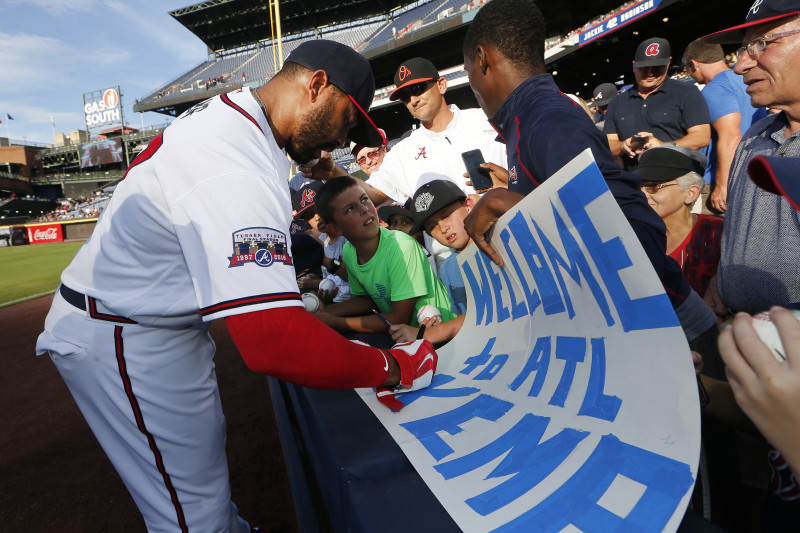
(198, 230)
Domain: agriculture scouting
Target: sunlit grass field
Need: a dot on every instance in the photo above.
(31, 271)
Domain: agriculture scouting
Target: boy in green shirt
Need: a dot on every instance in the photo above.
(387, 270)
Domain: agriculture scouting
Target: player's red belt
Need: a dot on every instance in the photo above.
(79, 300)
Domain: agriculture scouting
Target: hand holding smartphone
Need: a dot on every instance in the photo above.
(638, 142)
(479, 176)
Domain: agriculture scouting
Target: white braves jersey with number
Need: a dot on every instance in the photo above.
(425, 155)
(199, 227)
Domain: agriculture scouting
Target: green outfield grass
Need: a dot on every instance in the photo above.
(32, 271)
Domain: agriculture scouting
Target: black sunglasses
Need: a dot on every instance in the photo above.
(417, 89)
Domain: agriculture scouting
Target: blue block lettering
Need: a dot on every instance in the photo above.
(650, 312)
(528, 461)
(538, 361)
(572, 350)
(497, 286)
(426, 429)
(575, 502)
(481, 359)
(596, 403)
(532, 296)
(518, 309)
(537, 263)
(481, 293)
(434, 390)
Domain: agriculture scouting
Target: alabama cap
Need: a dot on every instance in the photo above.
(666, 163)
(778, 175)
(761, 12)
(350, 72)
(305, 198)
(603, 94)
(413, 71)
(653, 52)
(431, 197)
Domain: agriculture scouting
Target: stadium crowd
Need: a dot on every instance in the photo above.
(77, 208)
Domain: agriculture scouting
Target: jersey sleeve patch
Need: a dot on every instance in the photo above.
(262, 246)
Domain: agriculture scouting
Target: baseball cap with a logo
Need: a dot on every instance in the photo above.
(305, 198)
(653, 52)
(603, 94)
(413, 71)
(350, 72)
(667, 162)
(761, 12)
(431, 197)
(778, 175)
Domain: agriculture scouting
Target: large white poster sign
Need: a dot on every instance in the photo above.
(568, 400)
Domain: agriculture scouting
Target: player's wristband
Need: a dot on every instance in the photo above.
(336, 266)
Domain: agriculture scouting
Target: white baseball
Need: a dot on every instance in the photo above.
(327, 284)
(311, 301)
(427, 311)
(762, 323)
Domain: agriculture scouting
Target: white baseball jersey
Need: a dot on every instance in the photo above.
(199, 227)
(426, 155)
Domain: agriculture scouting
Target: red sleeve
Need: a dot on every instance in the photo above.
(290, 344)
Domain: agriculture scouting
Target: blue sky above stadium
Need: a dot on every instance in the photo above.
(54, 51)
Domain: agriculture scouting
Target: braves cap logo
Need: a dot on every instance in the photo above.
(423, 202)
(754, 8)
(308, 198)
(652, 50)
(599, 96)
(403, 73)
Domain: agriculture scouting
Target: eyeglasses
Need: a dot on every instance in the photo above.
(652, 189)
(417, 89)
(372, 155)
(756, 46)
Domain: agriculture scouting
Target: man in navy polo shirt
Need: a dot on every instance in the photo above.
(543, 130)
(657, 110)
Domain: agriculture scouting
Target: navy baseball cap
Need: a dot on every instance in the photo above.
(666, 163)
(603, 94)
(431, 197)
(761, 12)
(778, 175)
(413, 71)
(387, 211)
(304, 199)
(653, 52)
(350, 72)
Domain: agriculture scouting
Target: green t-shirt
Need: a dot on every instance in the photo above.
(399, 270)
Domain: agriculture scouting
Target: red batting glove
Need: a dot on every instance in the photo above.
(417, 361)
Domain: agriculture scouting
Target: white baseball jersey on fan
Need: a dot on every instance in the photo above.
(197, 230)
(405, 166)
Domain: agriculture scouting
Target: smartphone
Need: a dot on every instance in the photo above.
(638, 142)
(479, 176)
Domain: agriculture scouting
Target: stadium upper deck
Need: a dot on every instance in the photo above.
(242, 52)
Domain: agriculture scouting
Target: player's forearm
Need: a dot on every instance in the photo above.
(321, 358)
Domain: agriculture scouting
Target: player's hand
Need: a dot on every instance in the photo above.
(308, 282)
(498, 174)
(323, 170)
(403, 333)
(719, 198)
(417, 361)
(767, 390)
(482, 217)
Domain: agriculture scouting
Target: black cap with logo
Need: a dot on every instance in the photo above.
(413, 71)
(431, 197)
(653, 52)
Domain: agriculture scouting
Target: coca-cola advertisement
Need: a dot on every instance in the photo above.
(45, 233)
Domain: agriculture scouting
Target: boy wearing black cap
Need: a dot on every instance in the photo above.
(439, 207)
(657, 110)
